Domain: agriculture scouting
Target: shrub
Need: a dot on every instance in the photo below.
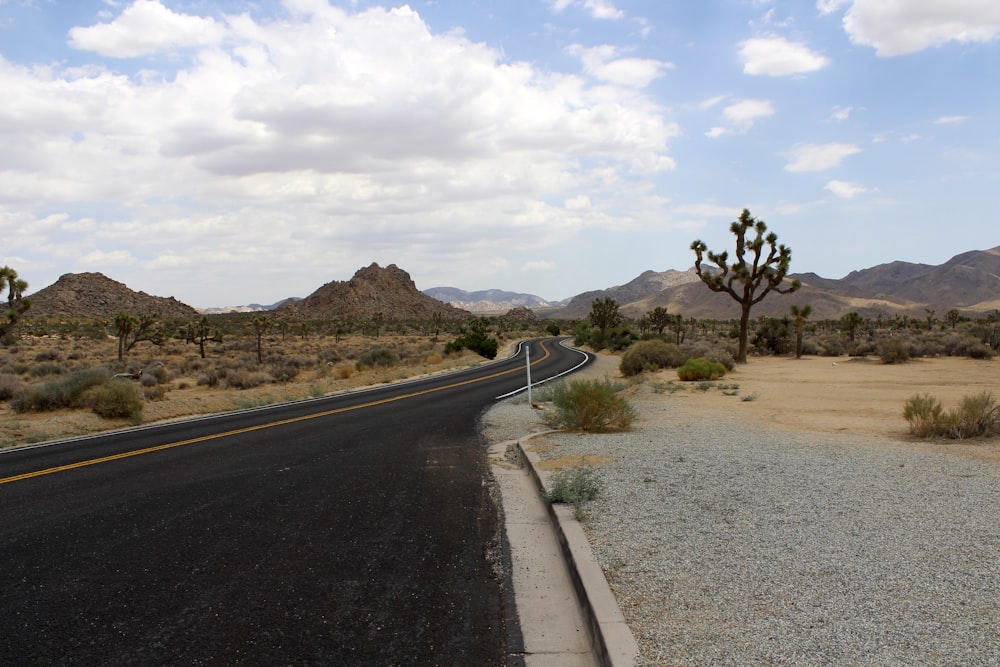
(894, 351)
(345, 372)
(979, 351)
(114, 400)
(700, 369)
(43, 369)
(650, 355)
(240, 379)
(477, 342)
(591, 405)
(10, 386)
(64, 392)
(433, 359)
(575, 487)
(975, 415)
(377, 356)
(924, 414)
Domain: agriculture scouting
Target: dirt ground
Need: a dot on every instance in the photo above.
(834, 395)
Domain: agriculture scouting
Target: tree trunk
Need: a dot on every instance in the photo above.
(741, 354)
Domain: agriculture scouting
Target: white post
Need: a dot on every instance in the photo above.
(527, 358)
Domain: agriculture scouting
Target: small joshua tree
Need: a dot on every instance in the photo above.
(132, 330)
(604, 315)
(200, 333)
(800, 315)
(748, 279)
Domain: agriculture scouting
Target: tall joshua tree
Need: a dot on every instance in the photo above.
(17, 303)
(753, 275)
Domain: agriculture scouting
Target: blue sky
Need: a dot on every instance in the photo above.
(228, 152)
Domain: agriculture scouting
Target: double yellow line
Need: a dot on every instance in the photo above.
(260, 427)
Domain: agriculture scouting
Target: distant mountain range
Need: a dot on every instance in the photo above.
(488, 301)
(969, 282)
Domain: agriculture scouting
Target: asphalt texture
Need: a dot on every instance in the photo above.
(352, 530)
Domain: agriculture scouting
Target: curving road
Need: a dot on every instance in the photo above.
(351, 530)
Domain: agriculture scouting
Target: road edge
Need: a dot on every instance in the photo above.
(614, 643)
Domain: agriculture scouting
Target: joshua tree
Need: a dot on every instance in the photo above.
(604, 315)
(17, 304)
(800, 315)
(953, 317)
(659, 319)
(131, 330)
(748, 279)
(851, 322)
(260, 326)
(199, 333)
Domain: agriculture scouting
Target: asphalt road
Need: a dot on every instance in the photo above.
(350, 530)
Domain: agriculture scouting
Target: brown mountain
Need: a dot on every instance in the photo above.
(389, 291)
(96, 295)
(969, 282)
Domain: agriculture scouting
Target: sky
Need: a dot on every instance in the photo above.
(228, 152)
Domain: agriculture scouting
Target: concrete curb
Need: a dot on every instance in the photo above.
(614, 644)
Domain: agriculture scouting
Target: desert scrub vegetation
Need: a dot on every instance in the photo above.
(700, 369)
(650, 355)
(574, 486)
(590, 405)
(976, 415)
(92, 388)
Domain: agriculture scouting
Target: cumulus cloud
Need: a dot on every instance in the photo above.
(144, 27)
(741, 116)
(605, 64)
(845, 189)
(819, 157)
(318, 133)
(898, 28)
(598, 9)
(776, 56)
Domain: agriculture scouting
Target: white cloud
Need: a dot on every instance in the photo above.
(321, 136)
(144, 27)
(895, 27)
(776, 56)
(819, 157)
(577, 203)
(949, 120)
(604, 64)
(830, 6)
(741, 116)
(845, 189)
(841, 114)
(598, 9)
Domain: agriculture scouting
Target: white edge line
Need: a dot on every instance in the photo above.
(586, 360)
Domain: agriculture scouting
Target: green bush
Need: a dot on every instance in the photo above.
(115, 399)
(377, 356)
(591, 405)
(700, 369)
(650, 355)
(64, 392)
(975, 415)
(476, 341)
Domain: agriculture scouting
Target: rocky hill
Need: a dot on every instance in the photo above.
(491, 301)
(389, 291)
(969, 282)
(96, 295)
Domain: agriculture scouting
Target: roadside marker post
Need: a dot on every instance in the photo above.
(527, 359)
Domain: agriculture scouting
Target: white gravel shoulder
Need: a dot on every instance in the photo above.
(727, 544)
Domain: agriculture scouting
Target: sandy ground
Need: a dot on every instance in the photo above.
(834, 394)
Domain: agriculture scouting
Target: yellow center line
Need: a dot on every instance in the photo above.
(283, 422)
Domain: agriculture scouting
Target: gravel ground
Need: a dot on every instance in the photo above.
(731, 545)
